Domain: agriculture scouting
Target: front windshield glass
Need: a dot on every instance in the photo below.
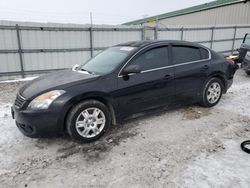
(108, 60)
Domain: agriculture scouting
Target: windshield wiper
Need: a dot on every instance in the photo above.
(82, 69)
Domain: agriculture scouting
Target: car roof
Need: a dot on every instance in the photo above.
(144, 43)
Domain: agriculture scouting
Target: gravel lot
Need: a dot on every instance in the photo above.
(185, 147)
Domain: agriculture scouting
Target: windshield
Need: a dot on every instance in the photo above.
(108, 60)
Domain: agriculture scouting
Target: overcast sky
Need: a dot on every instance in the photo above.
(77, 11)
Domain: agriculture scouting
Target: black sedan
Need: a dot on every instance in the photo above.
(121, 81)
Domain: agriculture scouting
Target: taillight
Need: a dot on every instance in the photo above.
(230, 61)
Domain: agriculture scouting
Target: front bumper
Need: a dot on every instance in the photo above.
(37, 123)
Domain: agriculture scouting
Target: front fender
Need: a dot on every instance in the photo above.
(70, 102)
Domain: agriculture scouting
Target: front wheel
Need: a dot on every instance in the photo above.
(88, 121)
(212, 92)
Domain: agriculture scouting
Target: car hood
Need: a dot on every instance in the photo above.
(55, 80)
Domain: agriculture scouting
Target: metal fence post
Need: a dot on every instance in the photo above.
(143, 32)
(235, 30)
(20, 49)
(91, 41)
(156, 32)
(182, 33)
(212, 38)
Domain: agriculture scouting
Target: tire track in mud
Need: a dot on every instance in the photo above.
(96, 151)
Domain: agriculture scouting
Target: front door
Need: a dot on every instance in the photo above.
(151, 88)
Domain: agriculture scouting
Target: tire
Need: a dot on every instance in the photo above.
(210, 96)
(88, 121)
(247, 72)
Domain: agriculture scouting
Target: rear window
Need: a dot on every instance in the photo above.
(204, 53)
(183, 54)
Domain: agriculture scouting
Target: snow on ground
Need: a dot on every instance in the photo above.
(185, 147)
(19, 80)
(230, 167)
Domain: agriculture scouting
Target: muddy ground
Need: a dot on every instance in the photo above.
(185, 147)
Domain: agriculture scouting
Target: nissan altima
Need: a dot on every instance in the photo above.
(123, 80)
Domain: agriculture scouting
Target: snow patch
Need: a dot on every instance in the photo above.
(19, 80)
(228, 168)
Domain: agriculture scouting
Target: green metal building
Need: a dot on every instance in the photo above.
(220, 12)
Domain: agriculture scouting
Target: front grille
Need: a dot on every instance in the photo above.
(19, 101)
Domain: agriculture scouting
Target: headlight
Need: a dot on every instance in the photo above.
(43, 101)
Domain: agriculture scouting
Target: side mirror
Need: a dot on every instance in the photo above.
(131, 69)
(75, 67)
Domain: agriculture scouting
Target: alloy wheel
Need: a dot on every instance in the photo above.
(213, 92)
(90, 122)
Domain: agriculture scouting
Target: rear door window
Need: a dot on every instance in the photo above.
(153, 58)
(183, 54)
(204, 53)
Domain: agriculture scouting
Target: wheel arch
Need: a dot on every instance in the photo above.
(222, 77)
(219, 76)
(99, 96)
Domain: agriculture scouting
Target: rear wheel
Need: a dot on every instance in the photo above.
(248, 72)
(212, 92)
(88, 121)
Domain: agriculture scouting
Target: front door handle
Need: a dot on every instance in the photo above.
(168, 77)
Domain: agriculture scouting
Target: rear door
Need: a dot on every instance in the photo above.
(151, 88)
(191, 68)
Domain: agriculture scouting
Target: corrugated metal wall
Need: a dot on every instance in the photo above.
(221, 38)
(230, 14)
(47, 47)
